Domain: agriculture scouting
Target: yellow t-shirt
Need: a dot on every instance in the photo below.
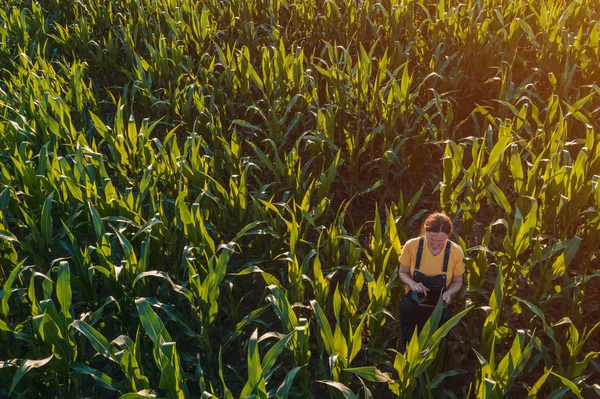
(432, 265)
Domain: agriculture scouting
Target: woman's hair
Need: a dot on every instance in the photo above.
(437, 223)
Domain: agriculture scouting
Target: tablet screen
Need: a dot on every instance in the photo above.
(431, 299)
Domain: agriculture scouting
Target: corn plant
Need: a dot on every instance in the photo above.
(496, 379)
(421, 352)
(172, 172)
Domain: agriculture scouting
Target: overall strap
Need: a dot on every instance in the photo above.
(446, 256)
(419, 253)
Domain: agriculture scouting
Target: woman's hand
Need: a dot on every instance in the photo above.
(447, 297)
(419, 288)
(455, 286)
(405, 277)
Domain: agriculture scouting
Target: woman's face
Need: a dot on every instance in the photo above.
(436, 241)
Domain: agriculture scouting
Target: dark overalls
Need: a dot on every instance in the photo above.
(412, 313)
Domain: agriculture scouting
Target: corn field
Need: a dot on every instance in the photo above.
(209, 198)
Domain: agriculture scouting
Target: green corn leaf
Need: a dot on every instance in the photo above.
(372, 187)
(247, 230)
(393, 234)
(491, 322)
(147, 227)
(499, 196)
(63, 289)
(4, 326)
(547, 329)
(177, 288)
(356, 342)
(18, 269)
(569, 384)
(8, 236)
(98, 124)
(585, 338)
(97, 222)
(4, 199)
(243, 123)
(533, 392)
(370, 373)
(526, 230)
(226, 392)
(324, 327)
(441, 377)
(256, 382)
(444, 329)
(173, 315)
(97, 315)
(205, 22)
(131, 130)
(50, 333)
(24, 368)
(514, 362)
(46, 221)
(340, 345)
(250, 318)
(144, 254)
(284, 388)
(152, 324)
(431, 324)
(101, 379)
(269, 278)
(98, 341)
(348, 394)
(171, 377)
(145, 393)
(282, 307)
(145, 182)
(337, 303)
(128, 250)
(273, 353)
(131, 369)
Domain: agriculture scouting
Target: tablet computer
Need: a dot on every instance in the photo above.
(431, 299)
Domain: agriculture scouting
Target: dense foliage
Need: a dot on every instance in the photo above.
(205, 198)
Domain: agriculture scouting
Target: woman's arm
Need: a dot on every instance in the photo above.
(455, 286)
(404, 274)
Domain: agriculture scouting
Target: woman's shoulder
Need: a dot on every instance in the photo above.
(413, 242)
(456, 250)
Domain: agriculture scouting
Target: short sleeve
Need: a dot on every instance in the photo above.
(458, 268)
(407, 255)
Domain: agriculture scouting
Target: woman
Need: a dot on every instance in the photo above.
(430, 266)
